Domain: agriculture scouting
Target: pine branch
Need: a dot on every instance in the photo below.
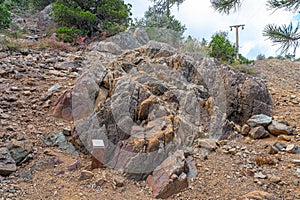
(286, 36)
(225, 6)
(290, 5)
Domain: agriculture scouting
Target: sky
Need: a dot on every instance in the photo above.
(202, 21)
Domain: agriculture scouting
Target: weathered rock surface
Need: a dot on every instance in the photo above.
(7, 163)
(170, 177)
(277, 128)
(151, 100)
(258, 132)
(259, 120)
(20, 150)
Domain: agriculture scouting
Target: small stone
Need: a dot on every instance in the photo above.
(12, 98)
(54, 87)
(60, 172)
(85, 174)
(7, 163)
(100, 182)
(280, 146)
(74, 166)
(277, 128)
(292, 148)
(26, 175)
(273, 149)
(67, 131)
(119, 181)
(296, 182)
(285, 137)
(259, 120)
(232, 151)
(258, 132)
(296, 162)
(297, 173)
(208, 144)
(274, 179)
(245, 130)
(26, 93)
(260, 175)
(293, 96)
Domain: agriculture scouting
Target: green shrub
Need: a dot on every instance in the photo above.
(260, 57)
(221, 48)
(110, 16)
(5, 19)
(70, 34)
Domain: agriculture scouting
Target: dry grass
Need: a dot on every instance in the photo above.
(9, 44)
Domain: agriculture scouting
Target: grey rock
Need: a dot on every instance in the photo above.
(280, 146)
(7, 163)
(59, 139)
(54, 87)
(259, 120)
(44, 19)
(277, 128)
(260, 175)
(258, 132)
(150, 101)
(20, 150)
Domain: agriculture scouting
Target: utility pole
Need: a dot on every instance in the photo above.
(237, 37)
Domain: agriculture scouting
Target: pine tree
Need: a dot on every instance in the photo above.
(159, 15)
(287, 36)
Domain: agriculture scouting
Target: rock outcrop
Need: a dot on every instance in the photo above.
(145, 100)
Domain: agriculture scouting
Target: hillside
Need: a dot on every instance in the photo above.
(31, 82)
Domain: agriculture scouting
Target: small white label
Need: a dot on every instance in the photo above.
(98, 143)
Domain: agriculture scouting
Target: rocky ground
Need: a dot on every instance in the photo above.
(50, 168)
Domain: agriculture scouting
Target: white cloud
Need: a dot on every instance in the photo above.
(202, 22)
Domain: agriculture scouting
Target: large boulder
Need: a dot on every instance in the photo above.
(151, 100)
(44, 19)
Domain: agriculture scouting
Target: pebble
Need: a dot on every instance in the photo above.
(85, 174)
(260, 175)
(119, 181)
(297, 173)
(274, 179)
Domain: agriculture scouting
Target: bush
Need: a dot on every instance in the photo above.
(260, 57)
(69, 34)
(221, 48)
(5, 19)
(110, 16)
(194, 46)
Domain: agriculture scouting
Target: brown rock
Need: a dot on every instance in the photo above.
(165, 180)
(245, 129)
(63, 107)
(277, 128)
(85, 174)
(209, 144)
(258, 132)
